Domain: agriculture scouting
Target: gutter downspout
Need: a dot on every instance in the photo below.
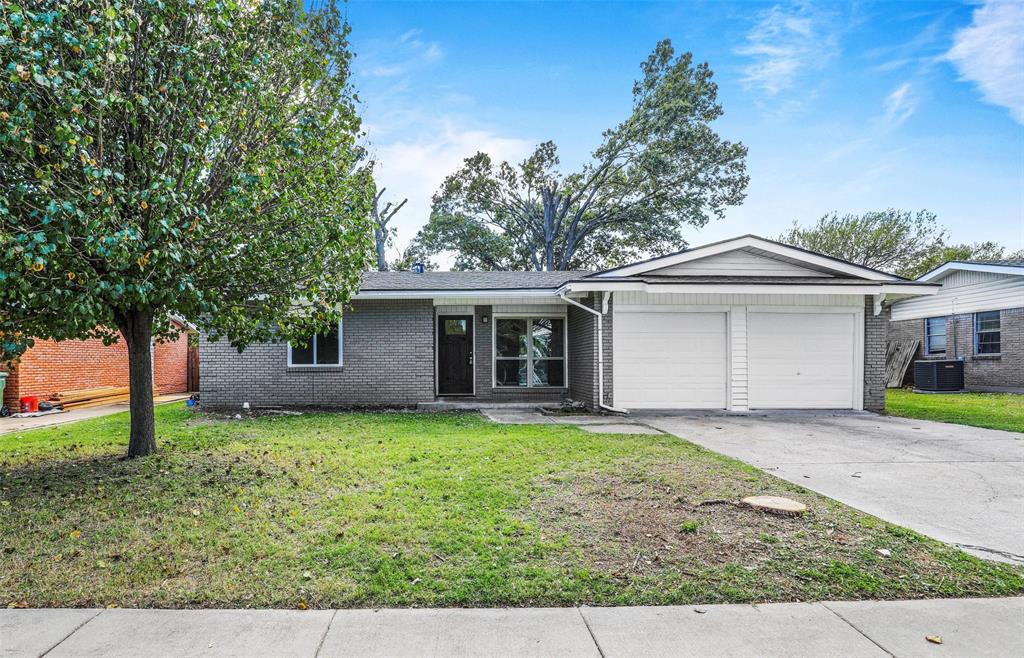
(600, 348)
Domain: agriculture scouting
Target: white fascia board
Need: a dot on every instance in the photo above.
(462, 292)
(868, 288)
(946, 268)
(749, 241)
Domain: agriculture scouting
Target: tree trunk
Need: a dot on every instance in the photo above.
(380, 237)
(137, 329)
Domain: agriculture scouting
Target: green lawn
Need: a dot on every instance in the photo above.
(1000, 411)
(406, 509)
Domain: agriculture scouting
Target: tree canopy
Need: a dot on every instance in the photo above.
(897, 241)
(170, 156)
(661, 169)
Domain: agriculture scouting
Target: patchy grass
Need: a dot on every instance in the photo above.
(998, 411)
(407, 509)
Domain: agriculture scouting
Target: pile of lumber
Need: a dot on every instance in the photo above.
(90, 397)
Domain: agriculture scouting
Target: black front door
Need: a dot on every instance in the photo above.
(455, 355)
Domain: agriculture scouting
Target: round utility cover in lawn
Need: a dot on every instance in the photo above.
(775, 505)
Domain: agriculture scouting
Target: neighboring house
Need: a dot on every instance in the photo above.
(54, 366)
(977, 316)
(741, 324)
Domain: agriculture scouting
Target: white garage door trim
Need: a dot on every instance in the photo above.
(658, 354)
(853, 341)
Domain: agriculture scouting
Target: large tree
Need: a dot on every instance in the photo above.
(898, 241)
(171, 156)
(661, 169)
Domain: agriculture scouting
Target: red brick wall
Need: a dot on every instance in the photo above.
(52, 366)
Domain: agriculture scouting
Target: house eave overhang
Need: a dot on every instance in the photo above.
(891, 290)
(460, 292)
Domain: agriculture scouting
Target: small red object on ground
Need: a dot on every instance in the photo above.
(29, 404)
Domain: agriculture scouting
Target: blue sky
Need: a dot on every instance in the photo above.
(847, 107)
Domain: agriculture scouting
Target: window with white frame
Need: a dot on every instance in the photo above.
(529, 351)
(935, 336)
(322, 350)
(986, 333)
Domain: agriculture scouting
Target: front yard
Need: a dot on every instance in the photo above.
(997, 411)
(402, 509)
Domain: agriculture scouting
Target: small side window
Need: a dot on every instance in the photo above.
(935, 336)
(987, 337)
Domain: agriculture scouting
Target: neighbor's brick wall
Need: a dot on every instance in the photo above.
(876, 328)
(388, 359)
(170, 365)
(981, 371)
(54, 366)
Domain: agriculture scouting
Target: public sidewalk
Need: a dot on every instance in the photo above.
(978, 627)
(11, 425)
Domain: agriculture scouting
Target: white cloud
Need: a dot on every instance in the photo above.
(399, 57)
(990, 53)
(416, 167)
(900, 104)
(784, 44)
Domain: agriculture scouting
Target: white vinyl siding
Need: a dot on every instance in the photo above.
(1004, 291)
(802, 360)
(737, 263)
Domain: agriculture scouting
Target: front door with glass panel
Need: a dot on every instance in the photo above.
(455, 355)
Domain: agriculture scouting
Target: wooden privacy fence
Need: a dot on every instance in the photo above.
(898, 355)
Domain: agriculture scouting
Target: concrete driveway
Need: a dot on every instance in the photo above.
(962, 485)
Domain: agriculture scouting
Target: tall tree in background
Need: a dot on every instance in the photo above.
(891, 240)
(383, 235)
(902, 242)
(195, 158)
(661, 169)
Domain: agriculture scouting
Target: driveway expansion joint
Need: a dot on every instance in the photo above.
(73, 631)
(854, 627)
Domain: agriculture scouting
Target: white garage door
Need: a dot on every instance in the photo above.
(669, 360)
(801, 360)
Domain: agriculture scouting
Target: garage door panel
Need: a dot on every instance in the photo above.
(801, 360)
(670, 360)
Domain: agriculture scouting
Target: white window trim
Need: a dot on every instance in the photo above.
(927, 336)
(341, 352)
(529, 317)
(974, 322)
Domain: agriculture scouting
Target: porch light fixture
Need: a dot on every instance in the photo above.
(483, 318)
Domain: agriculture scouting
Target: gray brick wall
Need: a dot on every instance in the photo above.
(583, 380)
(876, 329)
(388, 361)
(981, 371)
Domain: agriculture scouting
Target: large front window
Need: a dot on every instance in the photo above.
(529, 352)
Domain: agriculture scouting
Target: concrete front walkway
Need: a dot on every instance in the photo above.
(959, 484)
(976, 628)
(10, 425)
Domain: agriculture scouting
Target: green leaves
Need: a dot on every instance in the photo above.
(177, 157)
(657, 171)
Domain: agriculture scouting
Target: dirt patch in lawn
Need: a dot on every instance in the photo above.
(677, 523)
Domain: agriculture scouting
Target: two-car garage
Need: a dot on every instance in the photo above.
(737, 356)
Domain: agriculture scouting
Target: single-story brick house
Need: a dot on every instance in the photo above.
(741, 324)
(50, 367)
(977, 316)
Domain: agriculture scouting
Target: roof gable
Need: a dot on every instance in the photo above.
(748, 255)
(1009, 268)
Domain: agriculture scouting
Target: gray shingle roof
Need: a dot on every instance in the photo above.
(466, 280)
(1005, 263)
